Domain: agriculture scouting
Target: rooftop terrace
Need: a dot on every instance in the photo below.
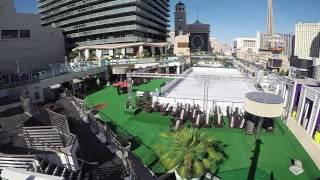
(276, 151)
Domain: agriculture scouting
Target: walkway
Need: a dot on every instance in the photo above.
(305, 140)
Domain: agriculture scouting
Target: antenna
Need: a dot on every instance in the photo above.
(197, 9)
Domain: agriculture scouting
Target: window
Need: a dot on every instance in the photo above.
(9, 34)
(24, 33)
(36, 95)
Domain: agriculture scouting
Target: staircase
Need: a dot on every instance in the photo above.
(28, 162)
(95, 174)
(31, 163)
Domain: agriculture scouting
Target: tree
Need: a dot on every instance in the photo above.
(146, 53)
(192, 153)
(74, 54)
(92, 55)
(284, 73)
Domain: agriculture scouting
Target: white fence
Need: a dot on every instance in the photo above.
(210, 105)
(174, 82)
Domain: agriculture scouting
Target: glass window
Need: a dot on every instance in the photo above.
(9, 34)
(24, 33)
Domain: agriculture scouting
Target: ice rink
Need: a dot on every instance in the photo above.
(224, 92)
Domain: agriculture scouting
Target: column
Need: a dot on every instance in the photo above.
(123, 52)
(178, 69)
(153, 50)
(86, 54)
(111, 52)
(79, 55)
(167, 69)
(161, 50)
(140, 50)
(99, 54)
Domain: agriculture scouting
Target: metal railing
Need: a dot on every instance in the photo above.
(19, 161)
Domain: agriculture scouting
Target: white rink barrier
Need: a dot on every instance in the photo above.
(211, 104)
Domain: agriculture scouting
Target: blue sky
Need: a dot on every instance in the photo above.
(235, 18)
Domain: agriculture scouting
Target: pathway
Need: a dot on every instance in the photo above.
(306, 141)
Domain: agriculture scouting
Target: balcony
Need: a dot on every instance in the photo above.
(52, 15)
(115, 40)
(93, 16)
(114, 29)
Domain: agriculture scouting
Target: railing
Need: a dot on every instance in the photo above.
(18, 161)
(115, 40)
(91, 8)
(107, 132)
(52, 73)
(114, 29)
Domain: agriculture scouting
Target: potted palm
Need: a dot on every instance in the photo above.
(192, 153)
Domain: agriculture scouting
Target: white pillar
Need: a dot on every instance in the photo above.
(110, 52)
(178, 69)
(300, 108)
(18, 66)
(79, 55)
(153, 50)
(86, 54)
(161, 50)
(140, 50)
(123, 51)
(99, 54)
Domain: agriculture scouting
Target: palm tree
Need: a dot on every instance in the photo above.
(192, 153)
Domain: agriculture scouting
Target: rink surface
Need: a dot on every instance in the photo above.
(220, 90)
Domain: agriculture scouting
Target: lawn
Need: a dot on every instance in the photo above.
(143, 130)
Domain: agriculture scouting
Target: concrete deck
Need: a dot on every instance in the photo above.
(305, 140)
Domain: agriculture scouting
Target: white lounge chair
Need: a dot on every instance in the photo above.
(296, 167)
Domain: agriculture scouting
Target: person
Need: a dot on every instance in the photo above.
(294, 114)
(317, 135)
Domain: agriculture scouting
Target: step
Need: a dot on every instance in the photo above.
(46, 171)
(87, 176)
(56, 171)
(79, 175)
(71, 175)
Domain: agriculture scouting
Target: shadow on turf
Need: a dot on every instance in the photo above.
(134, 140)
(254, 160)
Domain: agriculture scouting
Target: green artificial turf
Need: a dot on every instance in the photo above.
(276, 150)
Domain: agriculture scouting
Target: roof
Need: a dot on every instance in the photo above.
(180, 4)
(198, 23)
(317, 89)
(305, 81)
(265, 98)
(122, 45)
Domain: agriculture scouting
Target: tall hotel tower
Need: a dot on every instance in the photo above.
(93, 22)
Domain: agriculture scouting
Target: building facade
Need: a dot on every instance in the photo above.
(307, 40)
(289, 44)
(24, 44)
(95, 22)
(305, 62)
(219, 48)
(199, 33)
(181, 45)
(245, 48)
